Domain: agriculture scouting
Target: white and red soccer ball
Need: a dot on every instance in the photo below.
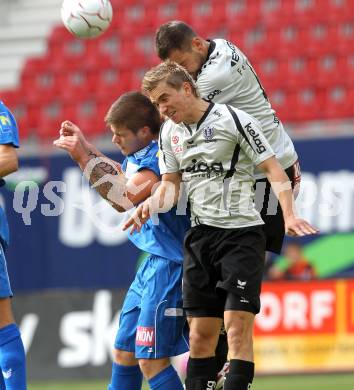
(86, 18)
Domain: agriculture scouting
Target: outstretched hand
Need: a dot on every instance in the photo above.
(297, 227)
(139, 217)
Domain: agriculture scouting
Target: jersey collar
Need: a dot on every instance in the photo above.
(202, 119)
(211, 48)
(206, 113)
(142, 152)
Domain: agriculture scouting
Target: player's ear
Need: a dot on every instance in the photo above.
(146, 131)
(197, 44)
(187, 88)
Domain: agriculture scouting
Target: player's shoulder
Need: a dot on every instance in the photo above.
(234, 111)
(168, 127)
(238, 117)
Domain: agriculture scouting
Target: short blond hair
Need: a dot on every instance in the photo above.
(173, 74)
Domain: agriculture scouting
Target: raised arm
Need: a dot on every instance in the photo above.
(104, 174)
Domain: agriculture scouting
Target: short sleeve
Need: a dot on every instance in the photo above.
(251, 137)
(8, 127)
(167, 160)
(151, 162)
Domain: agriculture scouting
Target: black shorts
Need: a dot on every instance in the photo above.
(219, 262)
(268, 205)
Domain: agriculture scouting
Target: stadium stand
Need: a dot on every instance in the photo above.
(302, 49)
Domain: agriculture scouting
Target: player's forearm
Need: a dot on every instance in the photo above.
(164, 198)
(282, 188)
(96, 166)
(8, 164)
(7, 167)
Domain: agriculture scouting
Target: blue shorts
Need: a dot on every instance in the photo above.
(152, 321)
(5, 288)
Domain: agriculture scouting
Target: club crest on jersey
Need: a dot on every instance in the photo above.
(208, 133)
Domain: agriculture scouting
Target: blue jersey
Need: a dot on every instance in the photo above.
(166, 238)
(8, 135)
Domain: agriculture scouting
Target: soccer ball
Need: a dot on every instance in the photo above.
(86, 18)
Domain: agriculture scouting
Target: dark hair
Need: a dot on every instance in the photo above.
(134, 110)
(174, 35)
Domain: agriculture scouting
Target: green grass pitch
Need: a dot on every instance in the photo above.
(311, 382)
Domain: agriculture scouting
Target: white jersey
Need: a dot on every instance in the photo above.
(227, 77)
(217, 157)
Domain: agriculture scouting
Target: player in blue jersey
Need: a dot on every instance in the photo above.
(152, 321)
(12, 354)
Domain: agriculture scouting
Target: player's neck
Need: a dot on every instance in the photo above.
(196, 112)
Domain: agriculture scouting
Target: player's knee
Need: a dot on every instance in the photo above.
(151, 367)
(201, 343)
(124, 358)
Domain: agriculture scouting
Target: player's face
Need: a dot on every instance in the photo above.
(191, 59)
(127, 141)
(171, 102)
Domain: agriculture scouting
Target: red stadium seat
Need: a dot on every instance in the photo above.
(286, 38)
(307, 104)
(318, 39)
(326, 70)
(338, 102)
(242, 15)
(50, 118)
(74, 85)
(346, 68)
(39, 88)
(26, 117)
(109, 83)
(344, 36)
(280, 102)
(270, 72)
(273, 13)
(255, 44)
(337, 10)
(299, 72)
(87, 116)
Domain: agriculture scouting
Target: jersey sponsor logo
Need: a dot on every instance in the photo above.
(175, 139)
(178, 149)
(255, 136)
(203, 167)
(145, 336)
(234, 56)
(5, 122)
(211, 95)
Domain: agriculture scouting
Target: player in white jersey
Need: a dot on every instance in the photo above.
(214, 149)
(224, 75)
